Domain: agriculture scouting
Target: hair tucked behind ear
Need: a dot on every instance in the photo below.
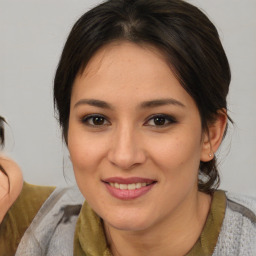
(210, 172)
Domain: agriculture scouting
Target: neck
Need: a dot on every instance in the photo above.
(175, 235)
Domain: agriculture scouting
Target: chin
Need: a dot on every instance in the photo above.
(128, 226)
(132, 222)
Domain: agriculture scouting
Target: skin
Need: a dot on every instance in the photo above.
(169, 218)
(9, 193)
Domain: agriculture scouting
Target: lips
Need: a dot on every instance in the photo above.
(128, 188)
(128, 180)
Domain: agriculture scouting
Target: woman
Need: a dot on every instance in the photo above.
(141, 92)
(10, 178)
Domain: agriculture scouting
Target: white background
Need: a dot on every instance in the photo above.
(32, 34)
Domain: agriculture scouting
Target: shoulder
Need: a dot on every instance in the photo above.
(52, 229)
(30, 200)
(21, 214)
(238, 231)
(245, 205)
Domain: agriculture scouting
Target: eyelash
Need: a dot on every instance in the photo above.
(163, 117)
(170, 120)
(86, 120)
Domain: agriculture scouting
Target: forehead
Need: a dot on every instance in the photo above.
(123, 56)
(128, 71)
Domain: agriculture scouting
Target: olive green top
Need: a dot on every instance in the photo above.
(20, 215)
(89, 236)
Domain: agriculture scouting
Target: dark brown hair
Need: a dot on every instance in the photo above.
(183, 33)
(2, 121)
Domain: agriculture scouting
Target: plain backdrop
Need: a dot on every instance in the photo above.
(32, 35)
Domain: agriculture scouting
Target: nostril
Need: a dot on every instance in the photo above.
(126, 158)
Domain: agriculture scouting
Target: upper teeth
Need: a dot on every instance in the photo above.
(128, 186)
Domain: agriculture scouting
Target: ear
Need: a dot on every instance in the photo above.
(213, 138)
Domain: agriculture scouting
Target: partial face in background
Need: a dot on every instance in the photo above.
(135, 137)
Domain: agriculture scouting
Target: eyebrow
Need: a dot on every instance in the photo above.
(145, 104)
(94, 103)
(161, 102)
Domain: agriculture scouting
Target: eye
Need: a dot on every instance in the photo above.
(160, 120)
(95, 120)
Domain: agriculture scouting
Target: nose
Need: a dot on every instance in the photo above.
(126, 150)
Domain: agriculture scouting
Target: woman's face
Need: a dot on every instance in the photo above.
(135, 137)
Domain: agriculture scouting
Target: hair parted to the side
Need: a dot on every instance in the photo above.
(185, 36)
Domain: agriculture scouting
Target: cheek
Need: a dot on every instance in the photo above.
(179, 162)
(83, 157)
(85, 151)
(179, 154)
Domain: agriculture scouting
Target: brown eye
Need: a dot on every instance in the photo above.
(95, 120)
(98, 120)
(160, 120)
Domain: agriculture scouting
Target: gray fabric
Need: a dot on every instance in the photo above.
(242, 209)
(238, 232)
(52, 230)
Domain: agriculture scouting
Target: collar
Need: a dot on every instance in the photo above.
(90, 238)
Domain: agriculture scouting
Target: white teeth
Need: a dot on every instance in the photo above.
(131, 186)
(123, 186)
(138, 185)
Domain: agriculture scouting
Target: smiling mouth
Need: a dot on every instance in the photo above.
(128, 188)
(131, 186)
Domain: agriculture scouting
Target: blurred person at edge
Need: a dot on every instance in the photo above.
(10, 178)
(140, 90)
